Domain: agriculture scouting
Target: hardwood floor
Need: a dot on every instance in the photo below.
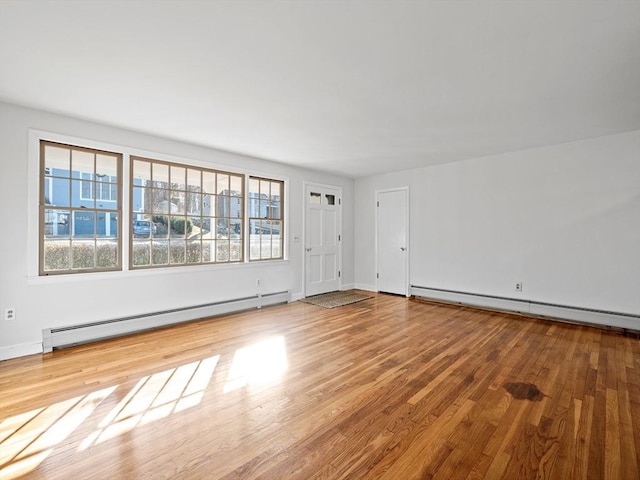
(388, 388)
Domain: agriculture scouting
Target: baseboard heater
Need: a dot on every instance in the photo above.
(626, 321)
(90, 332)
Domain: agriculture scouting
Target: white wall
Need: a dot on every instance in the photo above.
(564, 220)
(71, 299)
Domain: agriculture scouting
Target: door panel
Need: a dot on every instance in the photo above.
(392, 241)
(322, 230)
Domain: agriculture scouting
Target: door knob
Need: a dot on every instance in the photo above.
(308, 249)
(402, 248)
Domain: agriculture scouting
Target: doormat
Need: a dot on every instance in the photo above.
(336, 299)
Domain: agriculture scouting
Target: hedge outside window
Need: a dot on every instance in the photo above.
(265, 219)
(184, 215)
(79, 230)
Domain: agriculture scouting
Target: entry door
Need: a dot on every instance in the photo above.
(392, 241)
(322, 239)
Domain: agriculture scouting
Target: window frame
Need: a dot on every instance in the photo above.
(45, 189)
(268, 217)
(214, 216)
(212, 161)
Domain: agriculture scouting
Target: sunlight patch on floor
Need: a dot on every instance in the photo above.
(28, 438)
(262, 363)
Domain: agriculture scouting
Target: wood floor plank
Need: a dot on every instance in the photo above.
(387, 388)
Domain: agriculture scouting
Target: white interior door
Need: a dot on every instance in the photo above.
(392, 241)
(322, 239)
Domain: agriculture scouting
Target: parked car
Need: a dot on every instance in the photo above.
(144, 228)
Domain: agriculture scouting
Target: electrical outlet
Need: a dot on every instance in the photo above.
(519, 287)
(257, 282)
(10, 313)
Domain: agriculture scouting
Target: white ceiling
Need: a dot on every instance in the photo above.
(351, 87)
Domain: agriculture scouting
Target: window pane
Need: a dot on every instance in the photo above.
(265, 187)
(106, 195)
(222, 251)
(208, 205)
(314, 198)
(236, 185)
(107, 167)
(223, 184)
(236, 250)
(193, 203)
(265, 247)
(84, 224)
(276, 248)
(208, 251)
(205, 227)
(276, 191)
(159, 252)
(254, 186)
(57, 255)
(330, 199)
(208, 182)
(177, 252)
(274, 210)
(107, 254)
(223, 207)
(83, 255)
(56, 224)
(140, 200)
(160, 200)
(178, 177)
(82, 194)
(141, 173)
(57, 161)
(160, 174)
(235, 207)
(276, 228)
(141, 255)
(61, 192)
(161, 226)
(82, 163)
(193, 180)
(111, 225)
(194, 251)
(223, 228)
(177, 202)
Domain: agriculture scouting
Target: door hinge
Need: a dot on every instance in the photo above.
(339, 201)
(339, 273)
(339, 236)
(377, 275)
(378, 204)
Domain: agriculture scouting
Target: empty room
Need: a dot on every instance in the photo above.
(319, 239)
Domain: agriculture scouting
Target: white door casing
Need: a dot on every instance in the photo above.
(392, 240)
(322, 239)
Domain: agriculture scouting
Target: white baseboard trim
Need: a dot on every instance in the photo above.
(531, 307)
(347, 286)
(20, 350)
(366, 287)
(296, 296)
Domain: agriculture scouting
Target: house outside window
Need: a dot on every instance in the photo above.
(184, 215)
(79, 232)
(266, 225)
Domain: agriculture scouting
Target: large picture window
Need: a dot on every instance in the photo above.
(184, 215)
(80, 206)
(265, 219)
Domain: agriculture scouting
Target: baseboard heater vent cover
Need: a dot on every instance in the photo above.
(625, 321)
(60, 337)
